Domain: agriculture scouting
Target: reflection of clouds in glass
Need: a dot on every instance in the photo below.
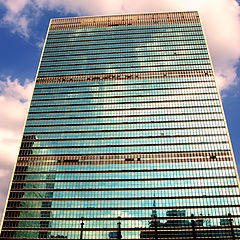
(128, 223)
(107, 70)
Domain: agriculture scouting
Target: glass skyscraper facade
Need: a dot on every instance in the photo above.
(125, 136)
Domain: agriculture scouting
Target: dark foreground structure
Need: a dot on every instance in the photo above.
(125, 137)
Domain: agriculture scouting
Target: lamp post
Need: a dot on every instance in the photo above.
(155, 226)
(81, 233)
(119, 235)
(193, 223)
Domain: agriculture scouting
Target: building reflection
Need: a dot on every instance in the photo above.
(179, 226)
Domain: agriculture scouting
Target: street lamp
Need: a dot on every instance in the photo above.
(81, 233)
(119, 235)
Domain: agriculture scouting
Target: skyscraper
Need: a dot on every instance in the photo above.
(125, 136)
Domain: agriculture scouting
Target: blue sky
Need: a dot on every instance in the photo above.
(22, 31)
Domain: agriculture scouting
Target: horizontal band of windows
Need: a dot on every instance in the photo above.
(118, 159)
(183, 148)
(96, 97)
(45, 99)
(152, 103)
(173, 36)
(142, 216)
(69, 82)
(128, 58)
(149, 42)
(71, 181)
(59, 116)
(141, 60)
(121, 166)
(125, 194)
(122, 30)
(110, 208)
(99, 44)
(142, 89)
(117, 162)
(62, 189)
(135, 47)
(54, 131)
(188, 203)
(175, 107)
(171, 54)
(133, 76)
(147, 53)
(89, 190)
(116, 66)
(99, 117)
(21, 171)
(65, 184)
(121, 50)
(212, 232)
(127, 83)
(127, 129)
(76, 177)
(145, 90)
(58, 180)
(73, 163)
(35, 205)
(70, 163)
(75, 203)
(57, 29)
(30, 200)
(127, 233)
(69, 120)
(171, 89)
(148, 133)
(126, 100)
(123, 105)
(114, 141)
(94, 235)
(175, 32)
(107, 82)
(129, 94)
(49, 47)
(129, 79)
(123, 70)
(99, 109)
(125, 119)
(129, 111)
(122, 176)
(107, 144)
(172, 103)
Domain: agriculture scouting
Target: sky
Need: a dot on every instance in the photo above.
(23, 26)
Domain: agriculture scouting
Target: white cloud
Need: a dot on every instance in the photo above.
(15, 16)
(14, 6)
(14, 103)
